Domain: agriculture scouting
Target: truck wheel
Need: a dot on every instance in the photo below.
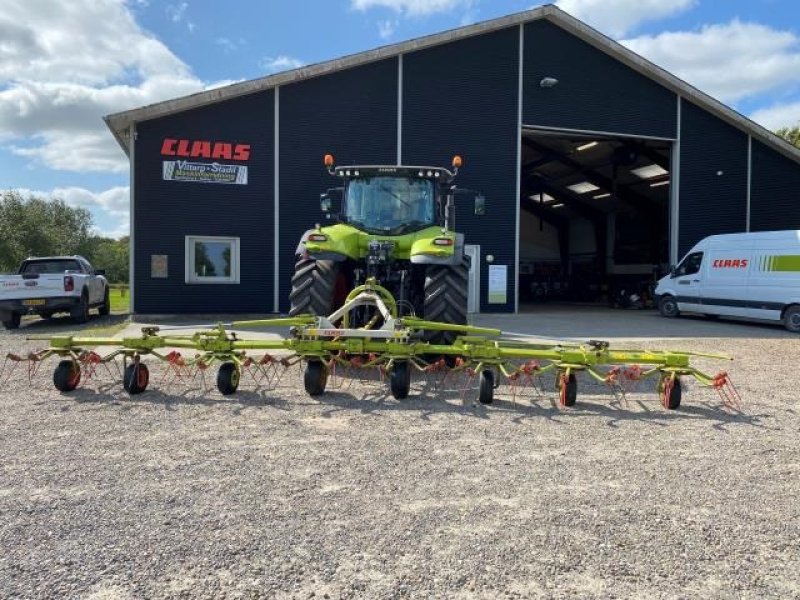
(13, 321)
(668, 307)
(105, 307)
(791, 319)
(313, 287)
(446, 299)
(80, 312)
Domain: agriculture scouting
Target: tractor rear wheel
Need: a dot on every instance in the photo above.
(313, 287)
(446, 299)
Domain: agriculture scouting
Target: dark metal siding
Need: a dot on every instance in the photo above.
(461, 98)
(167, 211)
(775, 192)
(351, 114)
(710, 203)
(594, 91)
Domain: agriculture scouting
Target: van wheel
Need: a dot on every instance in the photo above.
(791, 319)
(668, 307)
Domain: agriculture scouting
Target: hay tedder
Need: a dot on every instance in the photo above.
(390, 346)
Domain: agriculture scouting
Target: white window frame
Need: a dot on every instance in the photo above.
(191, 278)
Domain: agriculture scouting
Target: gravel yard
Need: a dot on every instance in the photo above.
(271, 494)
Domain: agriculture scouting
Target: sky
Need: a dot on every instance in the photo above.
(64, 65)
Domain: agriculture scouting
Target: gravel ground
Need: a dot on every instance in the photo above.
(272, 494)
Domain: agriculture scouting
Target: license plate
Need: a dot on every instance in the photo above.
(38, 302)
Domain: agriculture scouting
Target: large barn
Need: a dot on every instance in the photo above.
(599, 168)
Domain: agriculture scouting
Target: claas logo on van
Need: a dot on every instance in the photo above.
(730, 263)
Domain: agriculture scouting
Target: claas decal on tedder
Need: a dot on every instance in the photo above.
(383, 288)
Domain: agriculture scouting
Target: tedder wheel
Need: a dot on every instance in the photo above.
(315, 377)
(314, 287)
(668, 307)
(13, 321)
(105, 308)
(136, 378)
(567, 389)
(80, 312)
(228, 378)
(446, 299)
(400, 379)
(791, 319)
(486, 387)
(671, 392)
(67, 375)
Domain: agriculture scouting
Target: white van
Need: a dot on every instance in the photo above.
(754, 275)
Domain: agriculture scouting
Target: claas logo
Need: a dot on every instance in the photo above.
(730, 263)
(205, 149)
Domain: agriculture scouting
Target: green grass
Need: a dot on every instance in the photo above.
(120, 300)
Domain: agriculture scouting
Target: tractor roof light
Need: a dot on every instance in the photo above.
(443, 241)
(317, 237)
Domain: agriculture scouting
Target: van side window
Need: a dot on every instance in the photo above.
(690, 265)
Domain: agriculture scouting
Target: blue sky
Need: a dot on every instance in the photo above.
(63, 65)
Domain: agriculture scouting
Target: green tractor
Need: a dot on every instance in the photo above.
(394, 224)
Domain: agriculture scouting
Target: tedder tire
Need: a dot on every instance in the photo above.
(446, 299)
(400, 379)
(791, 319)
(315, 377)
(105, 308)
(67, 376)
(136, 378)
(668, 307)
(486, 387)
(228, 379)
(567, 389)
(313, 287)
(13, 321)
(80, 312)
(671, 393)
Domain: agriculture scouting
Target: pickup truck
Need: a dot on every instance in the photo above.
(53, 284)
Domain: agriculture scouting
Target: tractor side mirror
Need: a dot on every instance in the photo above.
(480, 205)
(331, 200)
(325, 203)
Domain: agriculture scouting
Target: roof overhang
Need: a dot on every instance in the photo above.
(121, 123)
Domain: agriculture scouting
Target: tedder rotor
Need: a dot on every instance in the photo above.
(393, 344)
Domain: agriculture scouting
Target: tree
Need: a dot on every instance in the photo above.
(111, 255)
(39, 227)
(790, 134)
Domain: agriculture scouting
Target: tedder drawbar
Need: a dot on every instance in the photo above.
(392, 344)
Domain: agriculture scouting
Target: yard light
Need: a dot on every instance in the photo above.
(329, 162)
(457, 162)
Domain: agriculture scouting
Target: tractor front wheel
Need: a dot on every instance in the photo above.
(446, 289)
(314, 287)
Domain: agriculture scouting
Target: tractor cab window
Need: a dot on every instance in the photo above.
(390, 205)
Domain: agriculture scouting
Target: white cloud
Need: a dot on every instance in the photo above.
(56, 87)
(617, 17)
(729, 61)
(413, 7)
(386, 29)
(276, 64)
(778, 115)
(112, 204)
